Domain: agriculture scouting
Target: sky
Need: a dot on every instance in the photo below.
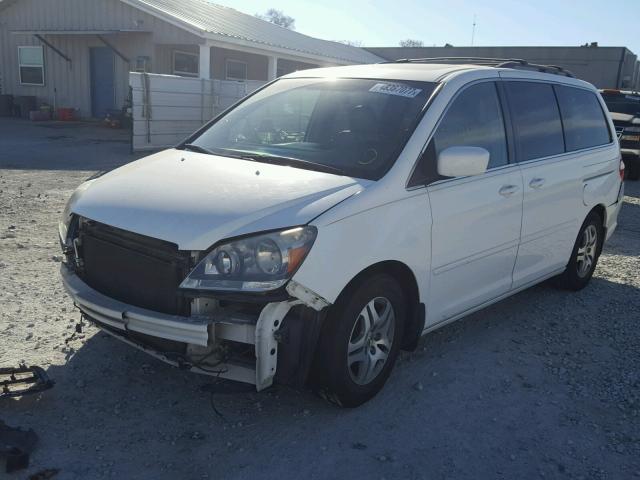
(377, 23)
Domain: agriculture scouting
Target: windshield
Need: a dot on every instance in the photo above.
(353, 127)
(629, 104)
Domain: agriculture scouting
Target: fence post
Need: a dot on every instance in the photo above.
(146, 103)
(202, 80)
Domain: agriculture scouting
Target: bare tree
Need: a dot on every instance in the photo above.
(351, 43)
(279, 18)
(411, 43)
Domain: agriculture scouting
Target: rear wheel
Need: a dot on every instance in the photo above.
(584, 256)
(360, 341)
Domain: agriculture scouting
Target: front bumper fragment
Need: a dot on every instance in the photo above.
(117, 319)
(125, 317)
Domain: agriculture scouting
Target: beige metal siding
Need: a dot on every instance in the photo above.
(288, 66)
(89, 15)
(164, 56)
(257, 65)
(628, 71)
(69, 85)
(228, 24)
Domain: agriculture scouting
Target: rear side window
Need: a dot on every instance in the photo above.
(536, 120)
(584, 122)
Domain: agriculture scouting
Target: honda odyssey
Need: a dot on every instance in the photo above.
(334, 216)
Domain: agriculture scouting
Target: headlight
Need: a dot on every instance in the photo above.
(254, 264)
(65, 220)
(63, 224)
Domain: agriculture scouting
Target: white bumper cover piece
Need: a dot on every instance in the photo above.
(127, 317)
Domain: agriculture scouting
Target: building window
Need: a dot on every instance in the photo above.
(236, 70)
(186, 64)
(31, 61)
(143, 63)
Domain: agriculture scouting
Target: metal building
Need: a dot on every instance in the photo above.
(77, 53)
(605, 67)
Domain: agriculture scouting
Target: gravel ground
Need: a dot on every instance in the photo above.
(545, 384)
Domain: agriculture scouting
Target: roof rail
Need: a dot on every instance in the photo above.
(514, 63)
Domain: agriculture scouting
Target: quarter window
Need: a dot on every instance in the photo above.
(536, 119)
(31, 61)
(584, 122)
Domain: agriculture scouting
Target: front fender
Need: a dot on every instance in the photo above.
(352, 237)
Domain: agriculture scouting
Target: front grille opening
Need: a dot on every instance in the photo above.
(132, 268)
(240, 353)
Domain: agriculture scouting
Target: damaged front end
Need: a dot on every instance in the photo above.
(133, 287)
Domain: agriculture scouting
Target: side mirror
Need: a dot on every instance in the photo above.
(463, 161)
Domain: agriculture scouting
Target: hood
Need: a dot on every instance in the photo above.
(196, 200)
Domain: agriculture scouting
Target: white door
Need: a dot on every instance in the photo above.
(552, 173)
(476, 220)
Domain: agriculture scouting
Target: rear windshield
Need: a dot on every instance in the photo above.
(629, 104)
(353, 127)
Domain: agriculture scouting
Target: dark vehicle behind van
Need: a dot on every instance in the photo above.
(625, 112)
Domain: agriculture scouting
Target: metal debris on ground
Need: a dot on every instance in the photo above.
(23, 380)
(16, 445)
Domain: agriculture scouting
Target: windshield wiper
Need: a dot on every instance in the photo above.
(197, 148)
(266, 158)
(292, 162)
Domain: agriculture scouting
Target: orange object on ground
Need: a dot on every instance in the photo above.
(66, 114)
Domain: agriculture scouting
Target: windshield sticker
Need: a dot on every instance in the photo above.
(395, 89)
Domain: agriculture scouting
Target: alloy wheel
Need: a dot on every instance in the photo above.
(371, 340)
(586, 256)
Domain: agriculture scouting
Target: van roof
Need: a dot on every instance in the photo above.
(432, 71)
(397, 71)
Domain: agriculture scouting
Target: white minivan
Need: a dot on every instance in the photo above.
(331, 218)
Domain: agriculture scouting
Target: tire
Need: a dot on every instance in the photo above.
(584, 256)
(352, 362)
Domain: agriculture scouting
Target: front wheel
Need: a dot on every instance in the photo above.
(360, 341)
(584, 256)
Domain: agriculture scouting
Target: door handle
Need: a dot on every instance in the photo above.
(536, 183)
(508, 190)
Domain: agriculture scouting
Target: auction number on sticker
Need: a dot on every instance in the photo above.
(395, 89)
